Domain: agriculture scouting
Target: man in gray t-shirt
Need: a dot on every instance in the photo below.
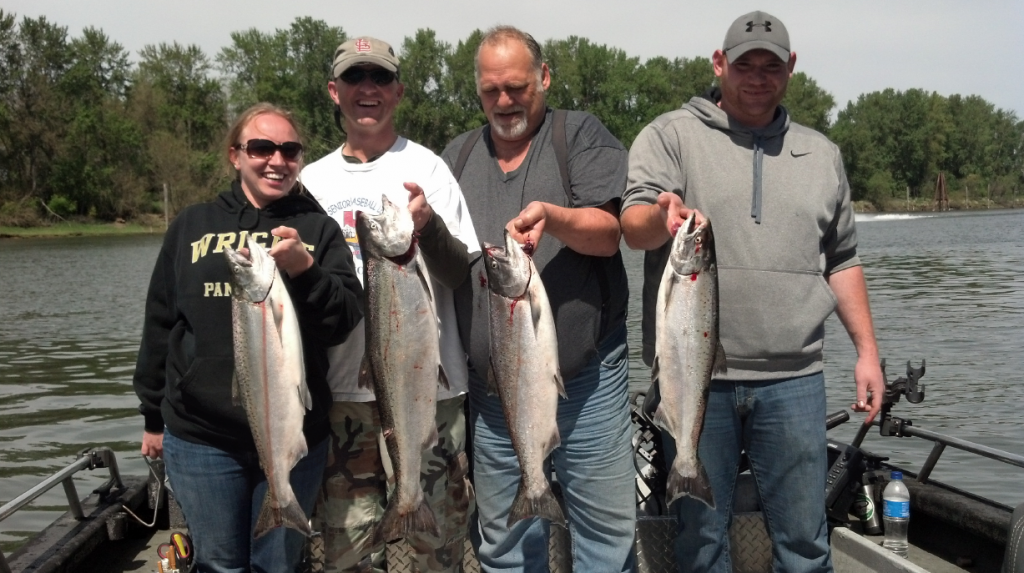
(511, 180)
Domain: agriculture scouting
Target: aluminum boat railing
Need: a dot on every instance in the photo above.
(89, 459)
(940, 441)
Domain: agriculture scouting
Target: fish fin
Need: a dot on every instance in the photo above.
(431, 439)
(277, 312)
(236, 392)
(290, 515)
(554, 442)
(560, 384)
(304, 395)
(492, 380)
(365, 374)
(545, 505)
(421, 272)
(661, 419)
(652, 398)
(395, 525)
(719, 367)
(442, 378)
(697, 486)
(536, 313)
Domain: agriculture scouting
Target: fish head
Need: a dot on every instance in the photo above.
(693, 249)
(387, 234)
(252, 275)
(508, 267)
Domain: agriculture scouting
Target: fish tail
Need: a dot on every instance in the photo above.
(545, 505)
(694, 484)
(395, 525)
(290, 515)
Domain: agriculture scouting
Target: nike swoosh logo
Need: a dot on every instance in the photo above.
(795, 154)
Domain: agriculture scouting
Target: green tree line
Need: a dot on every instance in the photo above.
(86, 132)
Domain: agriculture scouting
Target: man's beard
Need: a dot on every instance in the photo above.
(516, 128)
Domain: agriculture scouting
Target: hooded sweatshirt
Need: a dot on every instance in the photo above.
(184, 372)
(779, 204)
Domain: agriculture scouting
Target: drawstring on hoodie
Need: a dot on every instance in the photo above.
(248, 217)
(755, 204)
(705, 108)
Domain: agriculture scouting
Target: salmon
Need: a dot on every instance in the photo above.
(403, 360)
(687, 354)
(524, 372)
(270, 380)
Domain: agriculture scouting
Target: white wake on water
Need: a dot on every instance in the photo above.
(873, 217)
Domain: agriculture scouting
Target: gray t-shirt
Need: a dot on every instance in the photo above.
(597, 173)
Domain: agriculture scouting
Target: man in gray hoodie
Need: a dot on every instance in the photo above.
(777, 197)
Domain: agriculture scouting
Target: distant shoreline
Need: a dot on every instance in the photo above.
(151, 227)
(79, 229)
(921, 206)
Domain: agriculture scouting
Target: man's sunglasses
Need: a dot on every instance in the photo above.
(264, 149)
(379, 76)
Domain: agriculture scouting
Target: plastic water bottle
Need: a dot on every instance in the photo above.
(896, 514)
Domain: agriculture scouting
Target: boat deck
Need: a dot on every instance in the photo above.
(854, 553)
(138, 555)
(137, 552)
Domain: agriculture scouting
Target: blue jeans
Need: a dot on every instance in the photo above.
(781, 426)
(594, 467)
(221, 494)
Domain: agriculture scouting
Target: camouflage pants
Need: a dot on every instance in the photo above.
(359, 477)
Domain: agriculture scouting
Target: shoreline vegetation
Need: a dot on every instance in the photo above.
(144, 225)
(152, 225)
(89, 135)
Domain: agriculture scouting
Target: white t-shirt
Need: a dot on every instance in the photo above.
(343, 188)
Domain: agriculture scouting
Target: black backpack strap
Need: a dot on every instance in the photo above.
(560, 142)
(467, 148)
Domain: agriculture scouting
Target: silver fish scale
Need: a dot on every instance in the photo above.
(687, 348)
(403, 348)
(271, 380)
(524, 370)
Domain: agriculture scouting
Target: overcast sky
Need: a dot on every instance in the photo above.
(849, 48)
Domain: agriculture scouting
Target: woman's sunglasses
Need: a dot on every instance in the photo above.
(379, 76)
(264, 149)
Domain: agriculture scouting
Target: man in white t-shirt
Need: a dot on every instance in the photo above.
(373, 161)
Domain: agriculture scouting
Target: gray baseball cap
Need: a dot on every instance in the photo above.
(756, 31)
(364, 50)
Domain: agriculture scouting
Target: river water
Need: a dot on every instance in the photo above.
(947, 289)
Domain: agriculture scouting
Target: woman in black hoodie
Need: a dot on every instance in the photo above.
(186, 364)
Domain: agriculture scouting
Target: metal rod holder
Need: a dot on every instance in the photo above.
(929, 464)
(72, 494)
(964, 445)
(42, 487)
(87, 459)
(983, 451)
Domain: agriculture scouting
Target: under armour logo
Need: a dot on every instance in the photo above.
(767, 26)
